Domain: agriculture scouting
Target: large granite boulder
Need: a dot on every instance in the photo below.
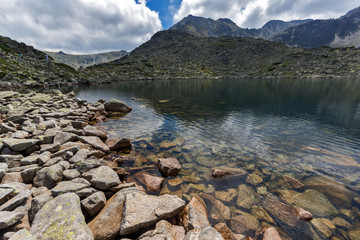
(114, 105)
(61, 218)
(22, 234)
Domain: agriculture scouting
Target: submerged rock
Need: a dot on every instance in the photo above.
(64, 221)
(169, 166)
(119, 144)
(152, 183)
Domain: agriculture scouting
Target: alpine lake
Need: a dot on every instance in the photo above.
(285, 142)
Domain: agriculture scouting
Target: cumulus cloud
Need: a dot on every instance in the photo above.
(255, 13)
(79, 26)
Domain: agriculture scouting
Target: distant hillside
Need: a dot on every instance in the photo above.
(344, 31)
(207, 27)
(77, 61)
(175, 54)
(32, 69)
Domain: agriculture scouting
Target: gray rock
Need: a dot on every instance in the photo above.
(5, 128)
(44, 157)
(22, 234)
(95, 142)
(16, 201)
(21, 168)
(11, 160)
(49, 176)
(94, 203)
(95, 131)
(73, 149)
(37, 203)
(5, 193)
(3, 169)
(66, 187)
(206, 233)
(86, 192)
(64, 137)
(20, 135)
(30, 160)
(81, 155)
(86, 165)
(53, 147)
(82, 181)
(71, 174)
(66, 220)
(164, 230)
(20, 144)
(102, 177)
(29, 174)
(141, 210)
(8, 219)
(53, 161)
(114, 105)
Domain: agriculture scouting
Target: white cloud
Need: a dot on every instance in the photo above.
(79, 26)
(255, 13)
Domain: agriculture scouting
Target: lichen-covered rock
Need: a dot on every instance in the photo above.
(19, 144)
(95, 142)
(19, 199)
(115, 105)
(86, 164)
(94, 203)
(95, 131)
(49, 176)
(141, 210)
(66, 187)
(102, 177)
(37, 203)
(61, 218)
(22, 234)
(8, 219)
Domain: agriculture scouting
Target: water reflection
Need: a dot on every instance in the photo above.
(267, 128)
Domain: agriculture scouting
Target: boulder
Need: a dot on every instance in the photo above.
(164, 230)
(81, 155)
(114, 105)
(49, 176)
(271, 234)
(18, 200)
(95, 131)
(95, 142)
(106, 225)
(11, 160)
(3, 169)
(102, 177)
(37, 203)
(30, 160)
(52, 147)
(208, 233)
(217, 210)
(119, 144)
(64, 137)
(152, 183)
(94, 203)
(65, 221)
(29, 174)
(19, 144)
(8, 219)
(169, 166)
(22, 234)
(195, 214)
(141, 210)
(87, 164)
(71, 174)
(66, 187)
(5, 194)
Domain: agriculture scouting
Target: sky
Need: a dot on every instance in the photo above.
(93, 26)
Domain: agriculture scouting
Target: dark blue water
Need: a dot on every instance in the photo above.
(297, 127)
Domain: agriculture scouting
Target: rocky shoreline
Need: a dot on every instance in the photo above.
(62, 178)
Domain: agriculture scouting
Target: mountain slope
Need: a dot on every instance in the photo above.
(207, 27)
(344, 31)
(175, 54)
(77, 61)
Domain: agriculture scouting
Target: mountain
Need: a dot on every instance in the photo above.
(31, 69)
(207, 27)
(176, 54)
(83, 61)
(344, 31)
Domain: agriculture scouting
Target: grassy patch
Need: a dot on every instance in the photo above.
(65, 67)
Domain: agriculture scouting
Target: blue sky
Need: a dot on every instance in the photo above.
(166, 9)
(94, 26)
